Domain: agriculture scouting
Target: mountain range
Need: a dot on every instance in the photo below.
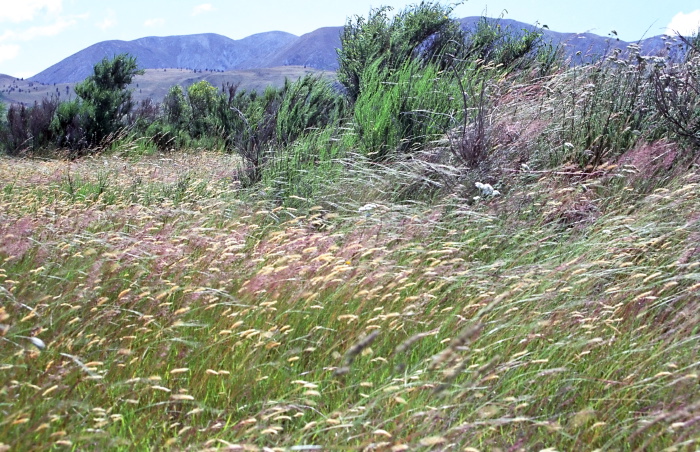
(206, 52)
(317, 50)
(258, 60)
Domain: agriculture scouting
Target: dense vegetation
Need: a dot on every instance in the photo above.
(464, 244)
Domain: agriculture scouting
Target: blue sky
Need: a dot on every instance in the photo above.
(34, 34)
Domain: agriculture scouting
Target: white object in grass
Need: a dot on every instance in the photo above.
(487, 189)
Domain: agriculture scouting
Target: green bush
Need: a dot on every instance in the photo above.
(422, 32)
(202, 98)
(308, 103)
(612, 108)
(401, 110)
(491, 43)
(176, 111)
(66, 126)
(603, 111)
(106, 99)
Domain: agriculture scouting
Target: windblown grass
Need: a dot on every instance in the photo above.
(177, 312)
(152, 302)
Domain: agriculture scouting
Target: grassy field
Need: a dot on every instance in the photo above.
(355, 298)
(175, 310)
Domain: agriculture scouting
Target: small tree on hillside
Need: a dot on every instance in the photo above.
(106, 99)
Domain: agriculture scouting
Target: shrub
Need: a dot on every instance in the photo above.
(202, 98)
(67, 127)
(491, 43)
(607, 108)
(308, 103)
(676, 90)
(302, 168)
(176, 111)
(252, 129)
(17, 131)
(423, 32)
(397, 112)
(29, 128)
(106, 101)
(143, 115)
(166, 137)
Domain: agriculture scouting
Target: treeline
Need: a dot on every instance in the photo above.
(403, 81)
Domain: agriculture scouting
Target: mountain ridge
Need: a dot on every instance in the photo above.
(205, 51)
(316, 49)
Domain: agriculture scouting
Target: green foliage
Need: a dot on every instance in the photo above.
(409, 76)
(106, 101)
(176, 110)
(167, 137)
(202, 98)
(607, 108)
(489, 42)
(302, 168)
(423, 32)
(308, 103)
(252, 128)
(66, 125)
(401, 110)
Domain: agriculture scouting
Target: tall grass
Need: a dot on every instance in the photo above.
(367, 294)
(175, 314)
(395, 112)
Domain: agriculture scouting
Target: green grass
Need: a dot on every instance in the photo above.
(177, 314)
(347, 304)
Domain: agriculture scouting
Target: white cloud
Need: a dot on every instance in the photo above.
(685, 24)
(203, 8)
(55, 28)
(22, 11)
(155, 22)
(8, 52)
(109, 21)
(61, 24)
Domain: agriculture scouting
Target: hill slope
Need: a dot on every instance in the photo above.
(412, 325)
(155, 83)
(579, 47)
(200, 52)
(317, 49)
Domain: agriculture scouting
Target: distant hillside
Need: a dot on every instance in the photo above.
(200, 52)
(579, 47)
(155, 83)
(317, 50)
